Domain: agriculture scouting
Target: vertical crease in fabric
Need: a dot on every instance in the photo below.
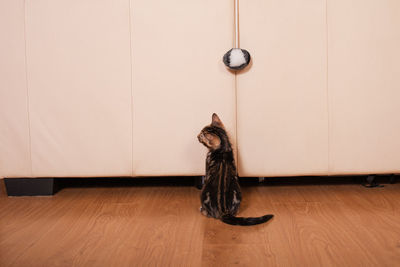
(131, 65)
(27, 91)
(327, 86)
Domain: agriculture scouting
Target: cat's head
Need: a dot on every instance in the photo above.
(214, 136)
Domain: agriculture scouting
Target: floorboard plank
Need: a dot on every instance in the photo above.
(314, 225)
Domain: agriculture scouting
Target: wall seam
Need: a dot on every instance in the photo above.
(131, 74)
(27, 92)
(236, 127)
(327, 86)
(236, 44)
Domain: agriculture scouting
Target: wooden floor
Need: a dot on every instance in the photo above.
(314, 225)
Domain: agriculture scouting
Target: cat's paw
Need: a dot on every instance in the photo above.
(203, 211)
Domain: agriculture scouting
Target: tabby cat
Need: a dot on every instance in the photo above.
(220, 195)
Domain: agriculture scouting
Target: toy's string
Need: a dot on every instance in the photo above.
(237, 24)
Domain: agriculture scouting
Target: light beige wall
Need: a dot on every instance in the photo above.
(364, 86)
(80, 87)
(179, 80)
(282, 98)
(116, 88)
(14, 122)
(122, 87)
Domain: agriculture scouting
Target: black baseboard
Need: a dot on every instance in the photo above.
(31, 186)
(50, 186)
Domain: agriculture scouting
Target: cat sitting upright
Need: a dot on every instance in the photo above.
(220, 195)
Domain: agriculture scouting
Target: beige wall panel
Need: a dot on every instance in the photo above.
(14, 125)
(179, 80)
(80, 87)
(282, 98)
(364, 86)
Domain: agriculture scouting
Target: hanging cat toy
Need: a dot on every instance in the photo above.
(236, 58)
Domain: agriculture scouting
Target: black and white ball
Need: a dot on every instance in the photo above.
(236, 58)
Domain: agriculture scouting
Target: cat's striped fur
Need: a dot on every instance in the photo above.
(221, 195)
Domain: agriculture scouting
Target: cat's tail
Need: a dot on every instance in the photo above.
(245, 221)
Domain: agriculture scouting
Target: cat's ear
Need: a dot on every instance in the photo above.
(216, 121)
